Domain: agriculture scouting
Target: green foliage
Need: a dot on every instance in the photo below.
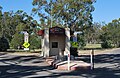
(35, 42)
(13, 23)
(18, 40)
(107, 44)
(71, 13)
(4, 44)
(92, 35)
(74, 44)
(111, 32)
(81, 41)
(73, 51)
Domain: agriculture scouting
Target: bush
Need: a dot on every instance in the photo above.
(73, 51)
(107, 44)
(74, 44)
(4, 44)
(81, 41)
(35, 42)
(18, 40)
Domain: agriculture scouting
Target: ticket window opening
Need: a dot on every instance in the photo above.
(54, 44)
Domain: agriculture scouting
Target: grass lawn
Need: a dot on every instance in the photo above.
(93, 46)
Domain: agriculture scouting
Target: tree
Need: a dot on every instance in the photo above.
(81, 41)
(35, 42)
(110, 34)
(113, 30)
(9, 21)
(75, 14)
(26, 23)
(92, 34)
(0, 21)
(13, 23)
(18, 37)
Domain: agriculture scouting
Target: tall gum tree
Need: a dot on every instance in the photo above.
(75, 14)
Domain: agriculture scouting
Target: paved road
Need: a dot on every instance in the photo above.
(31, 66)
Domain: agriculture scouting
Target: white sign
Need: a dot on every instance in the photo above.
(26, 48)
(26, 44)
(26, 37)
(75, 36)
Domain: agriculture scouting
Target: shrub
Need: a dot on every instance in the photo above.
(74, 44)
(35, 42)
(107, 44)
(81, 42)
(73, 51)
(4, 44)
(18, 40)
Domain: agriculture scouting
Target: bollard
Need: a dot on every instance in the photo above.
(68, 61)
(92, 59)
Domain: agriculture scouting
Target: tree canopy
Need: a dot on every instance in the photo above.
(75, 14)
(13, 23)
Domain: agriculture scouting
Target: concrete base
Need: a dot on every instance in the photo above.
(74, 65)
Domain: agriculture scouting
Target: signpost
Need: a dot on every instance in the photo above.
(75, 36)
(26, 37)
(26, 43)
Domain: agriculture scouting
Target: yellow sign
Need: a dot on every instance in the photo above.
(26, 44)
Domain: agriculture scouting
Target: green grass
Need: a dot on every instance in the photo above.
(93, 46)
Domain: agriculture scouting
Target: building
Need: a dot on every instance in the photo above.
(55, 41)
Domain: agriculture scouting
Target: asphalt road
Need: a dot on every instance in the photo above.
(106, 65)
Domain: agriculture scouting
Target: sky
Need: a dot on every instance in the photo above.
(15, 5)
(105, 10)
